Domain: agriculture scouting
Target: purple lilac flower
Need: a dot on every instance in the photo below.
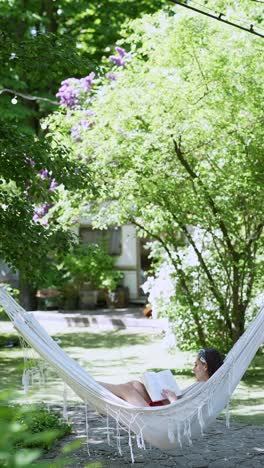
(120, 59)
(44, 173)
(53, 185)
(89, 112)
(85, 124)
(87, 82)
(111, 76)
(117, 60)
(75, 133)
(120, 51)
(68, 93)
(32, 162)
(41, 211)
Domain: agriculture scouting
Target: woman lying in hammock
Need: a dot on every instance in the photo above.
(206, 364)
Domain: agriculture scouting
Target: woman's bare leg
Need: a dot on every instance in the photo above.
(133, 392)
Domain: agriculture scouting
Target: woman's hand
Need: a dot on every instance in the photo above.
(169, 395)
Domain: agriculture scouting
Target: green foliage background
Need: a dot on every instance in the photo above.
(176, 146)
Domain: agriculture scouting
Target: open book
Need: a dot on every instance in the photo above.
(155, 382)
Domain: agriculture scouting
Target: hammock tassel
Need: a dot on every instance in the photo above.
(227, 415)
(130, 445)
(41, 376)
(87, 428)
(210, 406)
(138, 440)
(118, 439)
(108, 426)
(65, 409)
(200, 419)
(26, 380)
(171, 434)
(187, 430)
(179, 434)
(142, 442)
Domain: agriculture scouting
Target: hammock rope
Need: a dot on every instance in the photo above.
(165, 427)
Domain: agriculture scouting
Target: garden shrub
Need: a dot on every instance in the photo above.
(40, 420)
(26, 432)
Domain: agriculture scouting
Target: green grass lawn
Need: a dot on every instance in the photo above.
(117, 356)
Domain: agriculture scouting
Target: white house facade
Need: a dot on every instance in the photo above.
(128, 250)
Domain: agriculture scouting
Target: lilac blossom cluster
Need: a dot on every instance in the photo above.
(111, 76)
(87, 82)
(120, 59)
(76, 133)
(68, 93)
(71, 89)
(40, 212)
(53, 185)
(44, 174)
(77, 129)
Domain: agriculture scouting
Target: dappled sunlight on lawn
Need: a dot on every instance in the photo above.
(130, 353)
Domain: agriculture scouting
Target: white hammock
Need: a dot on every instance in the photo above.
(164, 427)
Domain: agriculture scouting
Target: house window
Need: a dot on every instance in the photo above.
(109, 238)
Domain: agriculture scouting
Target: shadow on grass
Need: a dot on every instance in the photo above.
(252, 419)
(101, 340)
(238, 402)
(11, 370)
(254, 376)
(9, 340)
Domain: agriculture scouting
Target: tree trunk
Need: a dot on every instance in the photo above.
(27, 296)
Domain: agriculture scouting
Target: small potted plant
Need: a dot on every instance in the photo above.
(89, 269)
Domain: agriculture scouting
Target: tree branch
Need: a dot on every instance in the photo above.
(214, 238)
(201, 70)
(212, 284)
(155, 236)
(28, 97)
(255, 235)
(212, 205)
(183, 282)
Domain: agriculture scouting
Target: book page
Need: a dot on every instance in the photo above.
(155, 382)
(152, 386)
(168, 381)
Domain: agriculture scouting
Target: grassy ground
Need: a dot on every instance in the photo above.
(117, 356)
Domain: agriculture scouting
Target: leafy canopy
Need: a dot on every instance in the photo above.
(173, 139)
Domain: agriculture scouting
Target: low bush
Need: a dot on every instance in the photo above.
(38, 421)
(26, 432)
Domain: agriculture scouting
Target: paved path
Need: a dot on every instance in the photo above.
(131, 318)
(240, 446)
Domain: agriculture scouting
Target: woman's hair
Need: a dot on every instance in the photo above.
(212, 358)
